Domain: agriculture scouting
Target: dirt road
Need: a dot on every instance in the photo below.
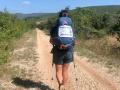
(31, 69)
(88, 78)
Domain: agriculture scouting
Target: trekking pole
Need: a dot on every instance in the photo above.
(52, 71)
(52, 78)
(76, 79)
(52, 65)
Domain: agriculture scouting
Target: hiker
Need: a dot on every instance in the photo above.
(62, 38)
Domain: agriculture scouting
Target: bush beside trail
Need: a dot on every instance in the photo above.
(11, 28)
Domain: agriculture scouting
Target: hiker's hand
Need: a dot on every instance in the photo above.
(62, 46)
(51, 41)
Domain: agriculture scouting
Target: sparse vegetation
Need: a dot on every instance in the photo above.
(11, 28)
(21, 62)
(97, 32)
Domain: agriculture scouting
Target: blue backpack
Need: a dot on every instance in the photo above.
(65, 34)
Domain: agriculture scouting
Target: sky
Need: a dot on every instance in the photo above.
(43, 6)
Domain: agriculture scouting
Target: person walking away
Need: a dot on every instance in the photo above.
(63, 40)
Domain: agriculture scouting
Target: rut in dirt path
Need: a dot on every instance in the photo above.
(45, 59)
(88, 78)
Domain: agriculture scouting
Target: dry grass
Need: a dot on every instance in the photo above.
(105, 51)
(107, 46)
(23, 57)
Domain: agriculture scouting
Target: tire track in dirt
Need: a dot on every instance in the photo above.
(88, 77)
(45, 59)
(97, 80)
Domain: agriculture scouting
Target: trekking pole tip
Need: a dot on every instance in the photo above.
(74, 66)
(76, 79)
(52, 78)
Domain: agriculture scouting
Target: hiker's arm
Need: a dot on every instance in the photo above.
(53, 32)
(51, 35)
(74, 33)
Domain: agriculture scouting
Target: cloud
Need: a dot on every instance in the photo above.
(26, 3)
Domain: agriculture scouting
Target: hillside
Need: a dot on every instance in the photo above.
(20, 15)
(105, 9)
(98, 9)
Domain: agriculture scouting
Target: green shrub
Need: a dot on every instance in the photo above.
(10, 28)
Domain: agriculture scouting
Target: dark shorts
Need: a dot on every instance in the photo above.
(62, 56)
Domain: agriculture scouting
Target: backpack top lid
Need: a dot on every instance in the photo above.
(65, 21)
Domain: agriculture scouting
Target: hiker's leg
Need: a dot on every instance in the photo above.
(65, 73)
(59, 73)
(66, 62)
